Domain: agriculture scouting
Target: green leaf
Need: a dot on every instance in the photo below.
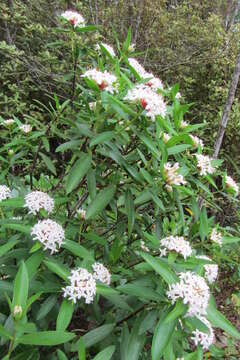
(4, 333)
(150, 145)
(161, 338)
(95, 336)
(57, 268)
(64, 315)
(26, 229)
(140, 292)
(178, 149)
(46, 307)
(14, 203)
(33, 263)
(77, 172)
(203, 229)
(218, 320)
(101, 138)
(86, 28)
(20, 290)
(91, 183)
(68, 145)
(46, 338)
(113, 296)
(178, 310)
(81, 350)
(129, 205)
(230, 240)
(48, 163)
(161, 268)
(136, 341)
(100, 202)
(105, 354)
(127, 42)
(77, 250)
(8, 246)
(61, 355)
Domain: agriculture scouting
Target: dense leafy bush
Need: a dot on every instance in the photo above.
(106, 219)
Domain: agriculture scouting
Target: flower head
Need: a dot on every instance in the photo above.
(216, 236)
(73, 18)
(131, 47)
(37, 200)
(26, 128)
(143, 246)
(5, 192)
(105, 80)
(201, 338)
(9, 122)
(211, 270)
(196, 141)
(178, 95)
(194, 292)
(108, 48)
(166, 138)
(177, 244)
(172, 176)
(82, 213)
(49, 233)
(184, 124)
(101, 273)
(231, 184)
(82, 285)
(137, 67)
(152, 102)
(204, 164)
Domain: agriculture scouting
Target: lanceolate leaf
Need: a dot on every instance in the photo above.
(105, 354)
(64, 315)
(100, 202)
(162, 335)
(129, 204)
(78, 171)
(95, 336)
(58, 269)
(20, 291)
(46, 338)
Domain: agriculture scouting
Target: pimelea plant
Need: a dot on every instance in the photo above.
(107, 233)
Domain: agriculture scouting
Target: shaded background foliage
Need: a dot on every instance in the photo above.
(193, 43)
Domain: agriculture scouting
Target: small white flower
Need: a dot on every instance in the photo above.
(74, 18)
(131, 47)
(82, 213)
(172, 176)
(5, 192)
(216, 237)
(101, 273)
(108, 48)
(184, 124)
(105, 80)
(196, 141)
(154, 83)
(177, 244)
(26, 128)
(17, 311)
(92, 105)
(152, 102)
(9, 122)
(137, 67)
(231, 184)
(204, 164)
(178, 95)
(201, 338)
(49, 234)
(143, 246)
(166, 138)
(82, 285)
(194, 292)
(37, 200)
(211, 270)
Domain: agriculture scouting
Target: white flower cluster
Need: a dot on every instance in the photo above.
(81, 213)
(143, 246)
(5, 192)
(194, 292)
(211, 270)
(216, 236)
(152, 102)
(196, 141)
(9, 122)
(204, 164)
(49, 234)
(82, 285)
(26, 128)
(231, 184)
(172, 176)
(37, 200)
(108, 48)
(105, 80)
(101, 273)
(184, 124)
(166, 138)
(74, 18)
(177, 244)
(201, 338)
(178, 95)
(154, 83)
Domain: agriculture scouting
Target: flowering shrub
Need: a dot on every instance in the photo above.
(105, 250)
